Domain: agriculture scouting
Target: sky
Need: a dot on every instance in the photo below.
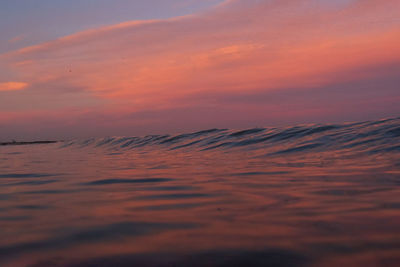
(76, 69)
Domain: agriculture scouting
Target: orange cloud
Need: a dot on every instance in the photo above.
(12, 86)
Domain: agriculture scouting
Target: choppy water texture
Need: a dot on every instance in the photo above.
(311, 195)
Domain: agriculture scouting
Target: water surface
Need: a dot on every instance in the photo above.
(309, 195)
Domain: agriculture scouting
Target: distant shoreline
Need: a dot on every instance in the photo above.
(27, 143)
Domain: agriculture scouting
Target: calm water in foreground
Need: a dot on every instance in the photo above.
(311, 195)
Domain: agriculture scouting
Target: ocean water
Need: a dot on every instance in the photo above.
(309, 195)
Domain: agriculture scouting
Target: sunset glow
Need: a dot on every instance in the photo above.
(159, 133)
(224, 59)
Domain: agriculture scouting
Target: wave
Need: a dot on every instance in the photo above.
(369, 137)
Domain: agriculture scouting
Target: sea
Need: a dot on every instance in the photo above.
(305, 195)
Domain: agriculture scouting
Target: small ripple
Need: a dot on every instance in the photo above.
(186, 145)
(93, 235)
(298, 149)
(394, 132)
(211, 258)
(15, 218)
(26, 175)
(45, 192)
(349, 192)
(32, 207)
(129, 181)
(246, 132)
(35, 182)
(259, 173)
(169, 207)
(355, 144)
(175, 196)
(169, 188)
(321, 129)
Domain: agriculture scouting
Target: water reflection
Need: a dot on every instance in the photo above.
(256, 197)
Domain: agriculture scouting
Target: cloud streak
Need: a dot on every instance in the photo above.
(12, 86)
